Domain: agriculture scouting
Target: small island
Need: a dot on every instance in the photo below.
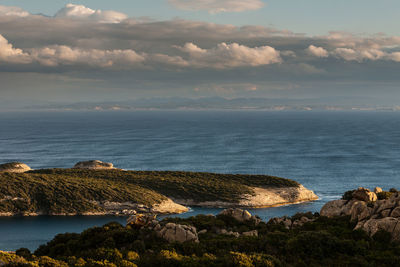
(98, 188)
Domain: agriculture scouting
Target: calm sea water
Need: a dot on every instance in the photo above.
(328, 152)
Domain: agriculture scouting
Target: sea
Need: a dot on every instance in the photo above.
(328, 152)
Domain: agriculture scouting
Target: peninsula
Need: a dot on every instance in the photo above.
(98, 188)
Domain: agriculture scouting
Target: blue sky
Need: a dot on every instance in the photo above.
(305, 16)
(57, 51)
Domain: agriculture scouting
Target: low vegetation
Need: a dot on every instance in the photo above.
(323, 242)
(59, 191)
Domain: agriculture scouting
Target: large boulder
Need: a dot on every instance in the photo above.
(238, 214)
(16, 167)
(359, 211)
(94, 165)
(334, 208)
(395, 213)
(177, 233)
(364, 194)
(387, 224)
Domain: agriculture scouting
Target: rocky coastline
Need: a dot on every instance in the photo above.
(361, 229)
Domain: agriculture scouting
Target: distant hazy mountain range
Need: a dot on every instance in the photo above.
(177, 103)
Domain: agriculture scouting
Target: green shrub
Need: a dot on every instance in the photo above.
(384, 195)
(24, 252)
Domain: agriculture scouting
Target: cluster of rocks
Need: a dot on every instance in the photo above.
(16, 167)
(235, 234)
(19, 167)
(369, 213)
(124, 208)
(173, 232)
(295, 221)
(94, 165)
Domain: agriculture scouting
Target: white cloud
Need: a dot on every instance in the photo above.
(13, 11)
(317, 51)
(67, 39)
(9, 54)
(82, 12)
(218, 6)
(64, 55)
(230, 55)
(350, 54)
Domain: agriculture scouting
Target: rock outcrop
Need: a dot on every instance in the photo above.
(241, 215)
(17, 167)
(94, 165)
(171, 232)
(142, 220)
(297, 220)
(261, 198)
(177, 233)
(367, 212)
(364, 194)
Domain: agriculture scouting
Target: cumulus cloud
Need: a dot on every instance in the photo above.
(230, 55)
(82, 12)
(317, 51)
(350, 54)
(13, 11)
(9, 54)
(64, 55)
(111, 40)
(218, 6)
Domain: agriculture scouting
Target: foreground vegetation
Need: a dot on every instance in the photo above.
(60, 191)
(323, 242)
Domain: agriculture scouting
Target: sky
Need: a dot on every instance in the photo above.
(56, 51)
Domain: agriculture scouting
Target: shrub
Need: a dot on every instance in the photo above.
(132, 256)
(384, 195)
(24, 252)
(348, 195)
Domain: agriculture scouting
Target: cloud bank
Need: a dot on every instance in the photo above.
(86, 45)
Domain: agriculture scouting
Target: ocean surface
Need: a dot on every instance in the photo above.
(328, 152)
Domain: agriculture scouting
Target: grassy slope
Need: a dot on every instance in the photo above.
(72, 190)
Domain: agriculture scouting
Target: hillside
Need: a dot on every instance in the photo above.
(222, 240)
(82, 191)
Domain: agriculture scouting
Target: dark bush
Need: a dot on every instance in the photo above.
(348, 195)
(384, 195)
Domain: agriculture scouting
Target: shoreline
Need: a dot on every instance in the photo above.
(221, 205)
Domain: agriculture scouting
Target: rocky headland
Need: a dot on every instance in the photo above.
(99, 188)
